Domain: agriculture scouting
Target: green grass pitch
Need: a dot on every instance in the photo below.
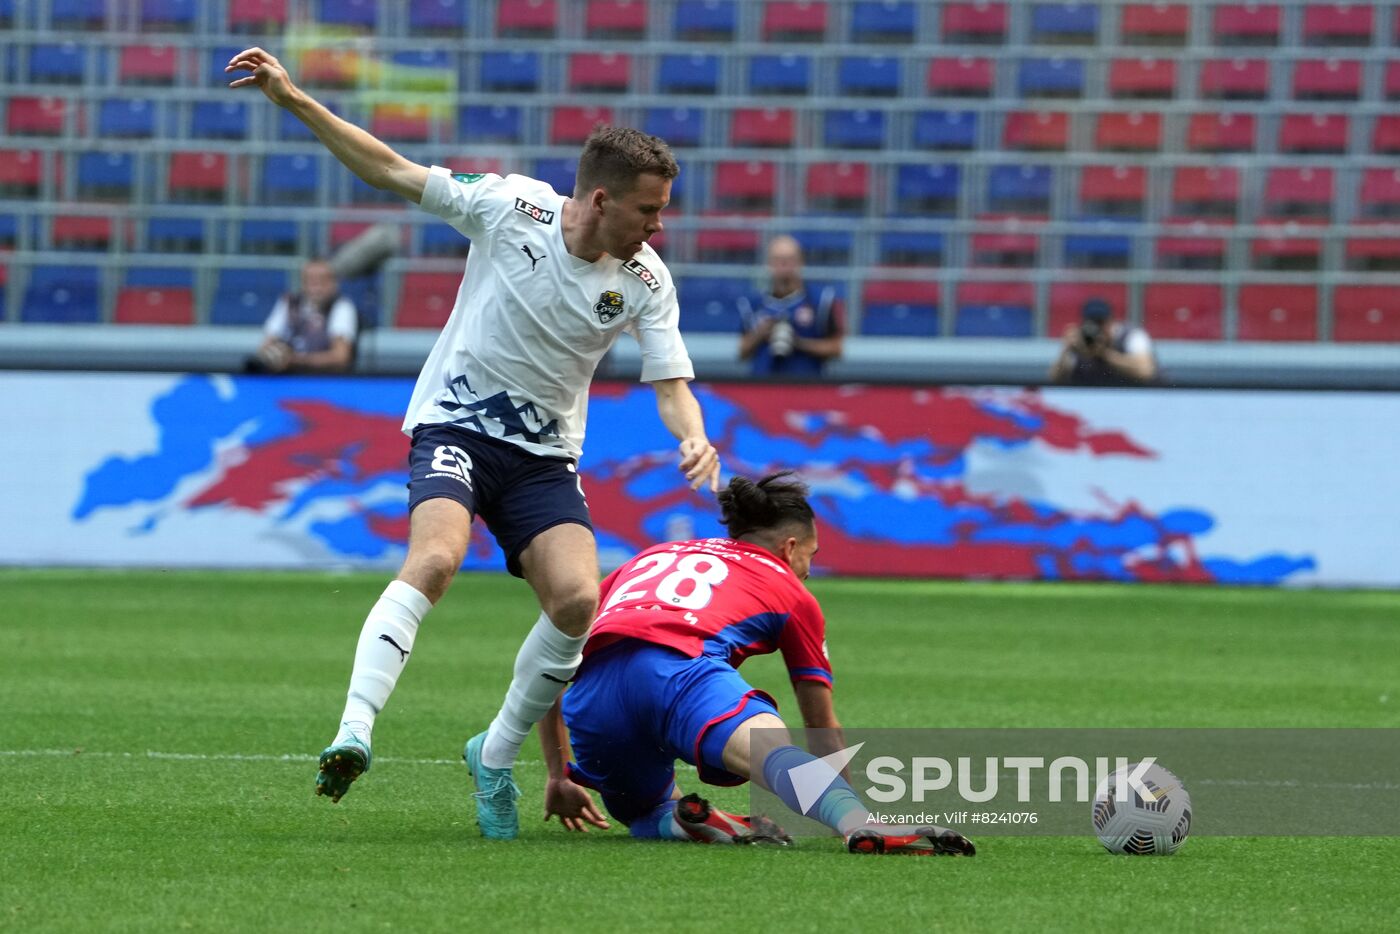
(157, 734)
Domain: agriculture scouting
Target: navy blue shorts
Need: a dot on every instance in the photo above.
(635, 708)
(517, 494)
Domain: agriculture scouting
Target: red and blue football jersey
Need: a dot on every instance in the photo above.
(717, 597)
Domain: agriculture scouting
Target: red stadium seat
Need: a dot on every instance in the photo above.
(1314, 133)
(1391, 86)
(426, 299)
(794, 20)
(1213, 132)
(528, 18)
(1182, 311)
(1298, 192)
(1380, 193)
(600, 71)
(1142, 78)
(1366, 313)
(1205, 191)
(1235, 79)
(746, 186)
(899, 292)
(76, 232)
(1067, 302)
(1338, 23)
(727, 246)
(1012, 248)
(198, 176)
(767, 127)
(1247, 23)
(1190, 244)
(149, 64)
(1128, 132)
(572, 125)
(1374, 254)
(1036, 130)
(616, 19)
(1116, 190)
(1385, 135)
(154, 305)
(257, 16)
(36, 116)
(838, 186)
(975, 22)
(412, 123)
(1155, 23)
(21, 173)
(1277, 313)
(1286, 245)
(961, 77)
(1327, 80)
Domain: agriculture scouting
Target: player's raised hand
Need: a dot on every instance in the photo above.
(267, 73)
(573, 804)
(700, 463)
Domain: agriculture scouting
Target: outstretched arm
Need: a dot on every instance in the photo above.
(818, 713)
(680, 412)
(369, 158)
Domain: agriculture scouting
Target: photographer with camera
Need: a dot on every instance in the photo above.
(1099, 351)
(790, 330)
(312, 331)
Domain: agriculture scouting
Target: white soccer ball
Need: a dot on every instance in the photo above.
(1142, 818)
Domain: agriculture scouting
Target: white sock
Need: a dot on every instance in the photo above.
(544, 665)
(385, 642)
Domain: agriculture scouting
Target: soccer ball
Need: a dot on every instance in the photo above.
(1135, 824)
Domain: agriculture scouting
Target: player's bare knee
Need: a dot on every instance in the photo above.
(573, 608)
(430, 570)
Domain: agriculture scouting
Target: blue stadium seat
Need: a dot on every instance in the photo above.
(7, 19)
(868, 76)
(679, 126)
(899, 319)
(177, 277)
(78, 14)
(884, 21)
(219, 120)
(688, 74)
(357, 14)
(1065, 22)
(106, 175)
(175, 235)
(440, 239)
(911, 248)
(1101, 249)
(780, 74)
(289, 178)
(477, 123)
(945, 129)
(363, 292)
(1019, 188)
(127, 118)
(9, 238)
(246, 296)
(437, 17)
(269, 237)
(510, 71)
(215, 62)
(924, 189)
(559, 173)
(57, 63)
(1051, 77)
(171, 15)
(993, 321)
(855, 129)
(63, 295)
(825, 247)
(706, 19)
(422, 70)
(711, 304)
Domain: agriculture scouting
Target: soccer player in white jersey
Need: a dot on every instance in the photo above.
(497, 416)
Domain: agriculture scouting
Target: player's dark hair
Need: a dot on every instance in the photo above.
(615, 156)
(778, 499)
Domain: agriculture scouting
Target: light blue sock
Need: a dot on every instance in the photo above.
(838, 807)
(660, 824)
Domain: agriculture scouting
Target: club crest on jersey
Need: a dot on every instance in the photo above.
(609, 306)
(643, 273)
(534, 211)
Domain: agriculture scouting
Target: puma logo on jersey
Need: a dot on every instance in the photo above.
(534, 211)
(643, 273)
(533, 258)
(609, 306)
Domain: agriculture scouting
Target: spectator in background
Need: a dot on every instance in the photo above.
(1099, 351)
(788, 330)
(312, 331)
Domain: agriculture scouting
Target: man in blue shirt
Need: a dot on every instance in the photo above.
(790, 329)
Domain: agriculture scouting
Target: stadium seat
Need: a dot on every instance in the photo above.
(794, 21)
(1182, 311)
(961, 77)
(1050, 77)
(1011, 248)
(884, 21)
(1247, 24)
(1128, 132)
(1366, 313)
(141, 304)
(332, 68)
(746, 186)
(9, 240)
(558, 174)
(1314, 133)
(257, 16)
(1298, 192)
(126, 118)
(616, 19)
(268, 237)
(979, 23)
(838, 187)
(445, 18)
(244, 297)
(160, 276)
(1285, 246)
(769, 127)
(780, 74)
(727, 245)
(358, 15)
(688, 74)
(219, 120)
(946, 130)
(1277, 313)
(572, 125)
(149, 64)
(534, 19)
(431, 71)
(854, 129)
(1338, 23)
(175, 235)
(678, 126)
(1190, 245)
(63, 295)
(169, 15)
(106, 176)
(214, 62)
(78, 14)
(1113, 191)
(1327, 80)
(80, 232)
(290, 178)
(398, 121)
(1220, 133)
(1158, 24)
(868, 76)
(1385, 134)
(825, 247)
(1067, 303)
(1146, 78)
(1205, 192)
(57, 63)
(1390, 86)
(1036, 131)
(510, 71)
(1235, 79)
(1379, 195)
(1065, 23)
(477, 123)
(1023, 189)
(1373, 253)
(994, 309)
(198, 176)
(1106, 246)
(925, 189)
(910, 248)
(899, 308)
(711, 304)
(21, 173)
(36, 116)
(606, 72)
(702, 20)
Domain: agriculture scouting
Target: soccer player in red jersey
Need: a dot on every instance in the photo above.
(659, 683)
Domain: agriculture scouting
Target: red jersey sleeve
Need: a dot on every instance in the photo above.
(803, 642)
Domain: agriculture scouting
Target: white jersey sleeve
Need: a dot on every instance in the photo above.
(1137, 342)
(343, 321)
(471, 203)
(657, 330)
(278, 324)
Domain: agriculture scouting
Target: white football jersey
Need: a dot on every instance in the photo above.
(532, 321)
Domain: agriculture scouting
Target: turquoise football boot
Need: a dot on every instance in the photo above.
(496, 794)
(340, 765)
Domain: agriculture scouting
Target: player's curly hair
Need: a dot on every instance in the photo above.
(778, 499)
(614, 156)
